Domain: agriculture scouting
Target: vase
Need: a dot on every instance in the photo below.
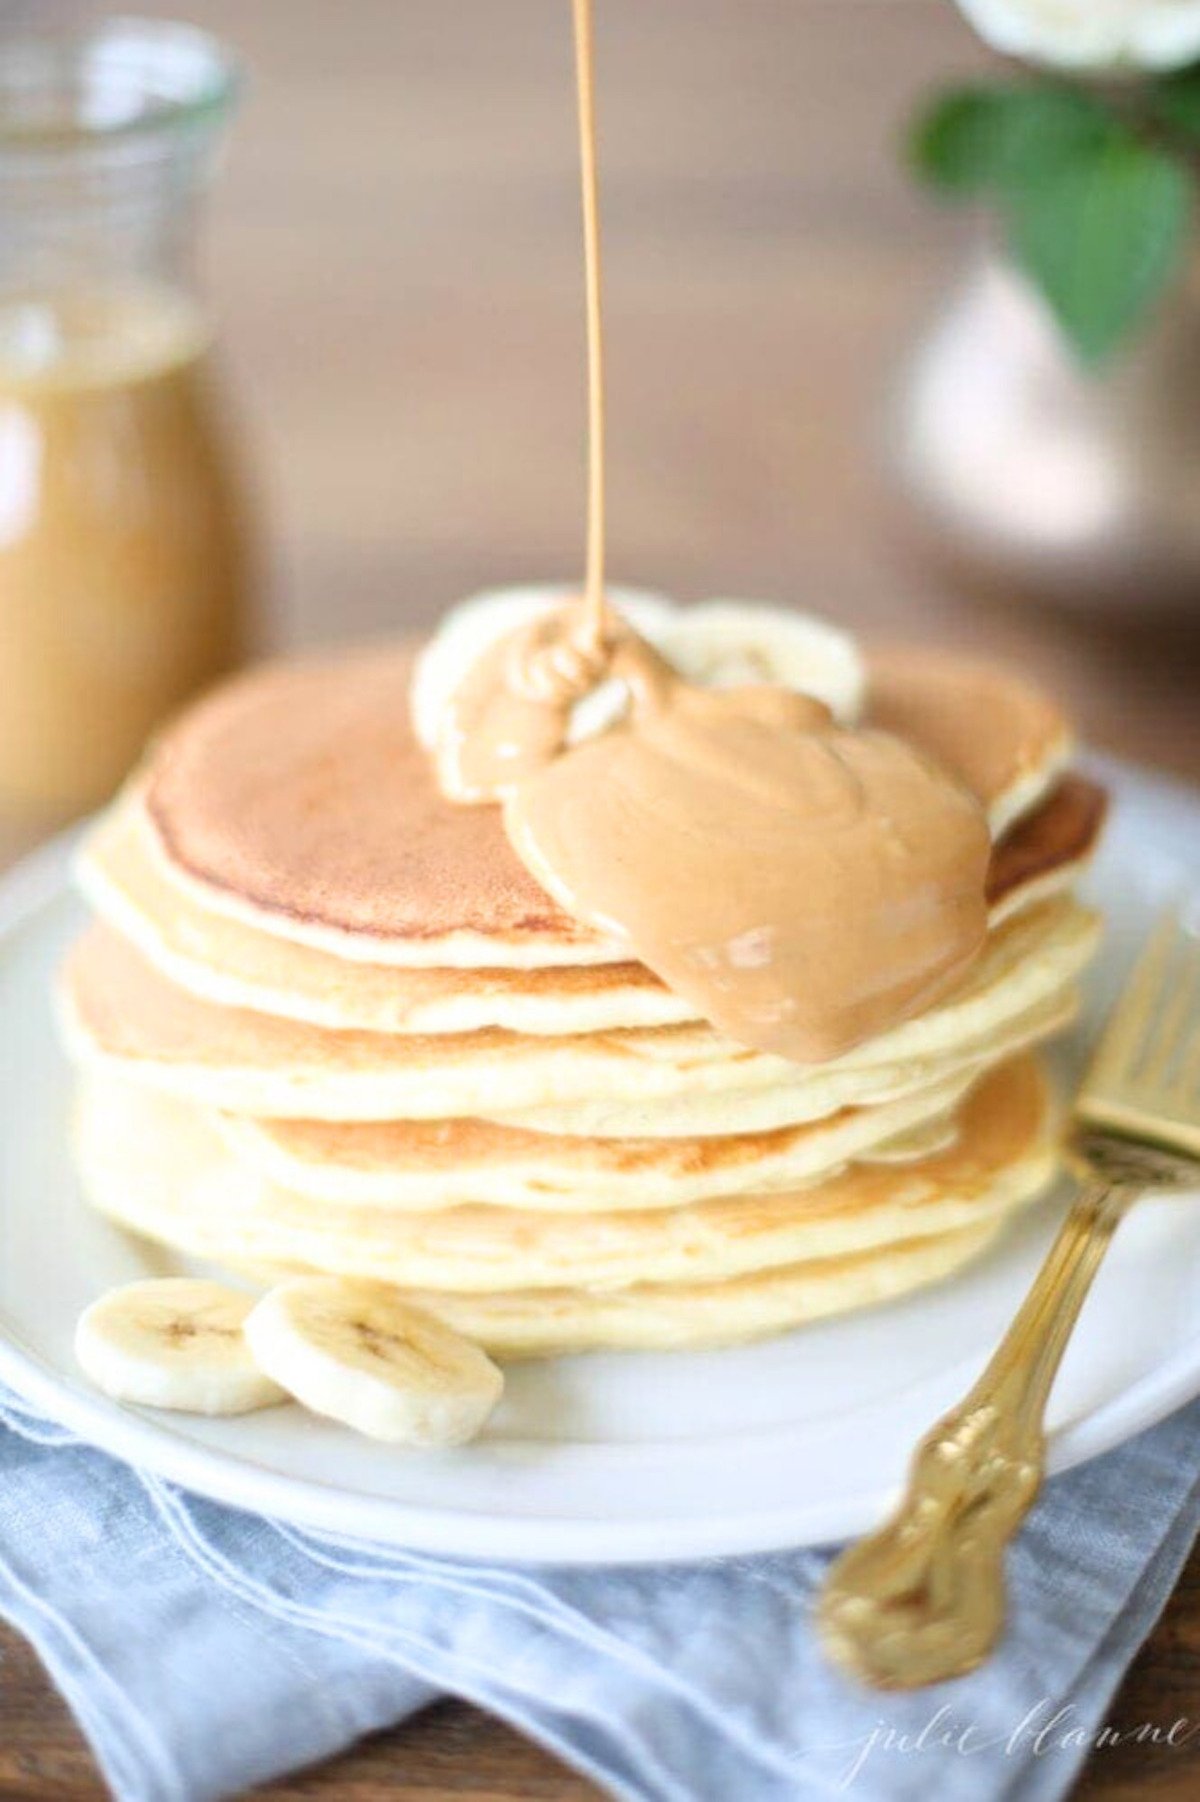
(1041, 478)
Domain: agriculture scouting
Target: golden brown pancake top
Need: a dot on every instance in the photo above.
(302, 790)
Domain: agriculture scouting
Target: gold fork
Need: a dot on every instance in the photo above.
(922, 1598)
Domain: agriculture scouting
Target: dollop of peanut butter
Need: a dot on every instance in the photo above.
(805, 885)
(512, 712)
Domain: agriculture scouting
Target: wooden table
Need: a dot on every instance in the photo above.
(395, 253)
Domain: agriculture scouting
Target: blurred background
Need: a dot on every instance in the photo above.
(392, 248)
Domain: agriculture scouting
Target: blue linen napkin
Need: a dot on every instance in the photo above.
(203, 1650)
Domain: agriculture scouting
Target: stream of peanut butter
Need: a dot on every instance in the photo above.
(806, 886)
(596, 617)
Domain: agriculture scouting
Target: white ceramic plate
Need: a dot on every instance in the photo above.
(622, 1457)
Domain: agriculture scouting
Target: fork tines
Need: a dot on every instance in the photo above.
(1144, 1079)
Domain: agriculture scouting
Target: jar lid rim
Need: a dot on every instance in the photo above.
(119, 79)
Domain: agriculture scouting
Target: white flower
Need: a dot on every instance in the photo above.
(1091, 35)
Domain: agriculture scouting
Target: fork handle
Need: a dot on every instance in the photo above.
(922, 1599)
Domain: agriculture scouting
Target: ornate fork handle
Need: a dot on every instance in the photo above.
(922, 1599)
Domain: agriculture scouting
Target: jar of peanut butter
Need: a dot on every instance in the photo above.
(122, 522)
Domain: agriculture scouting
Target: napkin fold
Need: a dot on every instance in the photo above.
(203, 1650)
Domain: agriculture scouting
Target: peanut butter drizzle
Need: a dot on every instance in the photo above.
(596, 619)
(805, 886)
(512, 712)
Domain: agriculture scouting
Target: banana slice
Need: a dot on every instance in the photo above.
(475, 625)
(716, 644)
(174, 1342)
(720, 644)
(358, 1353)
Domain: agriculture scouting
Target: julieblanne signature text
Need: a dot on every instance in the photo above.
(1044, 1730)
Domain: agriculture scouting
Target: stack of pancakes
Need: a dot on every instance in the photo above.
(326, 1020)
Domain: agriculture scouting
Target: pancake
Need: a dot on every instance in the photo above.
(298, 799)
(998, 732)
(155, 1166)
(118, 1010)
(809, 1097)
(224, 959)
(545, 1323)
(1045, 853)
(423, 1165)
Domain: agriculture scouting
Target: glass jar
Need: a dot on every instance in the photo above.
(122, 561)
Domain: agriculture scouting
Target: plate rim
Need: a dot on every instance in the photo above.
(150, 1442)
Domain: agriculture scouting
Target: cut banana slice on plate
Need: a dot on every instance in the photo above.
(356, 1352)
(174, 1342)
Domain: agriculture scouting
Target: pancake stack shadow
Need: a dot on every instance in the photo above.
(325, 1020)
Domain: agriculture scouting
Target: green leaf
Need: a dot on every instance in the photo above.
(1004, 135)
(1175, 101)
(1101, 235)
(953, 145)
